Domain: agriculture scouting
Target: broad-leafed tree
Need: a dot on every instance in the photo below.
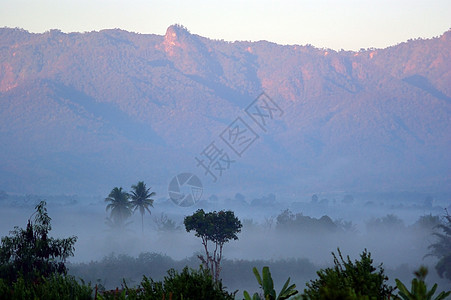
(217, 228)
(32, 253)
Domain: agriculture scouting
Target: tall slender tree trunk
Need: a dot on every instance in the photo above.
(142, 223)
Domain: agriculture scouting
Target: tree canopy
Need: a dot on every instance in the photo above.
(141, 199)
(216, 227)
(119, 207)
(31, 253)
(348, 280)
(442, 247)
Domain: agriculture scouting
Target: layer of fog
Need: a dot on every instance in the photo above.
(260, 237)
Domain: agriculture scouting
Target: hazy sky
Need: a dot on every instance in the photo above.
(347, 24)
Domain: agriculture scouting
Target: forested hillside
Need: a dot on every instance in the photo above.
(84, 111)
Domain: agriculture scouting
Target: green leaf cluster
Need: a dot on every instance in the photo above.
(55, 287)
(267, 285)
(419, 289)
(442, 247)
(218, 227)
(190, 284)
(31, 253)
(350, 280)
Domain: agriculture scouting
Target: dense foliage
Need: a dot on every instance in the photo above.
(189, 284)
(267, 286)
(32, 264)
(55, 287)
(30, 253)
(216, 227)
(419, 289)
(236, 274)
(442, 248)
(348, 280)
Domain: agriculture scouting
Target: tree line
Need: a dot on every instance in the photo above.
(32, 266)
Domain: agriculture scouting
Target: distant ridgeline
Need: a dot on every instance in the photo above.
(83, 111)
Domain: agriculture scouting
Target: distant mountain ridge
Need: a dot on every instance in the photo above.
(82, 112)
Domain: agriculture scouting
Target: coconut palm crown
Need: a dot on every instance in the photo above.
(119, 206)
(141, 199)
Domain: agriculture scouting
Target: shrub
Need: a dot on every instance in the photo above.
(54, 287)
(348, 280)
(31, 253)
(419, 289)
(442, 247)
(190, 284)
(267, 285)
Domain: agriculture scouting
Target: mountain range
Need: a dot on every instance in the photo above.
(81, 113)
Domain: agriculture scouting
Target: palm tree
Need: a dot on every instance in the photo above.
(140, 198)
(119, 206)
(115, 226)
(442, 247)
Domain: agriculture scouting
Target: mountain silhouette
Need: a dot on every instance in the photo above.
(82, 112)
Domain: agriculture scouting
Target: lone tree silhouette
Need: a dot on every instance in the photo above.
(216, 227)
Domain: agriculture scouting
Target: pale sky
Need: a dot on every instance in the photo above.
(347, 24)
